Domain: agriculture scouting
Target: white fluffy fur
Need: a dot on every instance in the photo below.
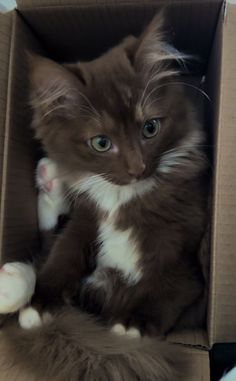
(109, 197)
(178, 155)
(118, 248)
(50, 204)
(231, 376)
(131, 332)
(17, 284)
(29, 318)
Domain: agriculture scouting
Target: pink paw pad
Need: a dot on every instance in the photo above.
(46, 174)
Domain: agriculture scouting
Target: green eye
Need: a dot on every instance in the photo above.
(151, 128)
(100, 143)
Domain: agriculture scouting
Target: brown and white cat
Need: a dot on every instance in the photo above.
(127, 143)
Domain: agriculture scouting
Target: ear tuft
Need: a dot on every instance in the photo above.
(154, 55)
(53, 89)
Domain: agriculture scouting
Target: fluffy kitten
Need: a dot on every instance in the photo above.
(127, 143)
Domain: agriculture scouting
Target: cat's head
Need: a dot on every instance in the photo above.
(123, 116)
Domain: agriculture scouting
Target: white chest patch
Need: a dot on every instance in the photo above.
(119, 250)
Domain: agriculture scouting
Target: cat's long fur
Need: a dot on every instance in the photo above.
(74, 347)
(132, 83)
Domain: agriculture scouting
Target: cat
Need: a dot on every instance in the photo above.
(128, 145)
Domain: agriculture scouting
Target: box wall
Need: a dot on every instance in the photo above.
(19, 204)
(5, 38)
(223, 287)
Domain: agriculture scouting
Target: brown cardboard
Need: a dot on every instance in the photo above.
(5, 37)
(223, 304)
(92, 26)
(18, 229)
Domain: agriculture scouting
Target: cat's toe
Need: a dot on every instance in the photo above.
(118, 329)
(46, 171)
(30, 318)
(17, 284)
(132, 332)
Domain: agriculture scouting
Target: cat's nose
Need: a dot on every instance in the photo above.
(137, 171)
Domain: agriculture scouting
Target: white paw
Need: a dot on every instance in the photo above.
(51, 198)
(46, 173)
(118, 329)
(29, 318)
(17, 284)
(131, 332)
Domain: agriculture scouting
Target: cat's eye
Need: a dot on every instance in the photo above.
(151, 128)
(100, 143)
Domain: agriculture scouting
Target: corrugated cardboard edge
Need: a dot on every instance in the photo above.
(223, 304)
(24, 4)
(5, 46)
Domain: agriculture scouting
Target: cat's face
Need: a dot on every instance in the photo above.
(121, 116)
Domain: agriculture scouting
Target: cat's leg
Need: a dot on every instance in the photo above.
(18, 278)
(108, 295)
(51, 200)
(67, 263)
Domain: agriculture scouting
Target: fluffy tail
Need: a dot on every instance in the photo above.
(74, 347)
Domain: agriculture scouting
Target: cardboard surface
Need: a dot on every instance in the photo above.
(5, 38)
(93, 26)
(18, 228)
(223, 307)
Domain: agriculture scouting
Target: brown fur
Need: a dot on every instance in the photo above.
(114, 95)
(75, 347)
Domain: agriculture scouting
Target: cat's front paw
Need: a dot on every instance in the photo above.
(51, 198)
(17, 285)
(30, 318)
(121, 330)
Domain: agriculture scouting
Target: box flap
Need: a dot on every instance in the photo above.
(96, 25)
(191, 338)
(5, 44)
(222, 310)
(43, 3)
(18, 225)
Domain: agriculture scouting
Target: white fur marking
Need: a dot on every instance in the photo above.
(17, 284)
(133, 333)
(119, 329)
(231, 376)
(118, 250)
(109, 197)
(178, 155)
(29, 318)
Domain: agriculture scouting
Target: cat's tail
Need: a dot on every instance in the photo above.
(74, 347)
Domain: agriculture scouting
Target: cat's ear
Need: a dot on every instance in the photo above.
(54, 89)
(154, 54)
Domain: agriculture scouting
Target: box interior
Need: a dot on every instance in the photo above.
(84, 31)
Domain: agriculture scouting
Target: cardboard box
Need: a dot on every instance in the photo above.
(72, 29)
